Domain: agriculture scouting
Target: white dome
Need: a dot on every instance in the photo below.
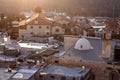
(83, 44)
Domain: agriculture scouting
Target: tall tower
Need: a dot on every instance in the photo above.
(106, 44)
(106, 49)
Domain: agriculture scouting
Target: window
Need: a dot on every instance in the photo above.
(52, 77)
(47, 33)
(92, 77)
(57, 30)
(74, 30)
(22, 27)
(47, 27)
(41, 77)
(22, 36)
(63, 78)
(81, 46)
(73, 78)
(31, 33)
(39, 27)
(64, 24)
(31, 27)
(114, 75)
(56, 61)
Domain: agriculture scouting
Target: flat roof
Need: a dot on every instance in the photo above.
(31, 71)
(65, 71)
(34, 45)
(7, 58)
(4, 75)
(24, 74)
(88, 55)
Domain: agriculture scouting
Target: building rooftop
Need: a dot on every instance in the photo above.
(95, 54)
(34, 45)
(89, 55)
(24, 74)
(65, 71)
(4, 74)
(44, 53)
(7, 58)
(36, 17)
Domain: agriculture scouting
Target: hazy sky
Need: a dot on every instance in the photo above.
(72, 6)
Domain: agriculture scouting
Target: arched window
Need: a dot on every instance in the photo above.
(81, 46)
(47, 27)
(31, 27)
(57, 30)
(63, 78)
(47, 33)
(32, 33)
(39, 27)
(73, 78)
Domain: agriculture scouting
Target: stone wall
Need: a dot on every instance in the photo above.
(69, 41)
(58, 77)
(98, 68)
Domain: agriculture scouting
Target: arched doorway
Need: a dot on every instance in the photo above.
(114, 75)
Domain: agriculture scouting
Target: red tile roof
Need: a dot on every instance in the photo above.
(57, 24)
(36, 17)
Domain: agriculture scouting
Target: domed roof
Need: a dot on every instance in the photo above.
(83, 44)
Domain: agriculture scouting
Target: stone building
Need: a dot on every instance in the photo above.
(38, 25)
(88, 51)
(58, 72)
